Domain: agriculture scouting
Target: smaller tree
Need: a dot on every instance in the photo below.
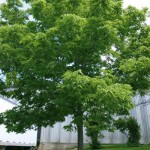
(96, 99)
(130, 127)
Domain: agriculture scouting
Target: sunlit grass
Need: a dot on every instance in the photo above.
(125, 147)
(121, 147)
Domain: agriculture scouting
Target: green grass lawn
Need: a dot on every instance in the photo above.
(125, 147)
(122, 147)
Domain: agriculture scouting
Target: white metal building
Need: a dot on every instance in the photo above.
(53, 137)
(26, 139)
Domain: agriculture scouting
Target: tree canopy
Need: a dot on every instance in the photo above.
(39, 44)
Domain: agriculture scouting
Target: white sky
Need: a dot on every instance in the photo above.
(137, 3)
(30, 136)
(2, 1)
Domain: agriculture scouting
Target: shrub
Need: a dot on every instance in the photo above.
(134, 132)
(130, 127)
(94, 133)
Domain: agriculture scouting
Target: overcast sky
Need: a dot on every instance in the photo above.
(137, 3)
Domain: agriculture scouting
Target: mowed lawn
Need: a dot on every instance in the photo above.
(122, 147)
(125, 147)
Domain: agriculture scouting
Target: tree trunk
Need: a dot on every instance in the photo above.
(80, 135)
(79, 123)
(38, 136)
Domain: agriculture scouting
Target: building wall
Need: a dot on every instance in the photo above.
(28, 138)
(141, 112)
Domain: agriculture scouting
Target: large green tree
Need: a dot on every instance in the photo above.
(38, 45)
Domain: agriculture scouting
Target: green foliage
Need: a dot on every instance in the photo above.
(93, 94)
(71, 35)
(12, 14)
(134, 132)
(93, 131)
(132, 128)
(89, 99)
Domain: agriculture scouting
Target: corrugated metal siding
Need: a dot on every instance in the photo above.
(141, 112)
(57, 134)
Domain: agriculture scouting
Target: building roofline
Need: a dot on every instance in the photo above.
(9, 100)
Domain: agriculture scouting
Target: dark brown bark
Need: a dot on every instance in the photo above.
(80, 135)
(79, 118)
(38, 136)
